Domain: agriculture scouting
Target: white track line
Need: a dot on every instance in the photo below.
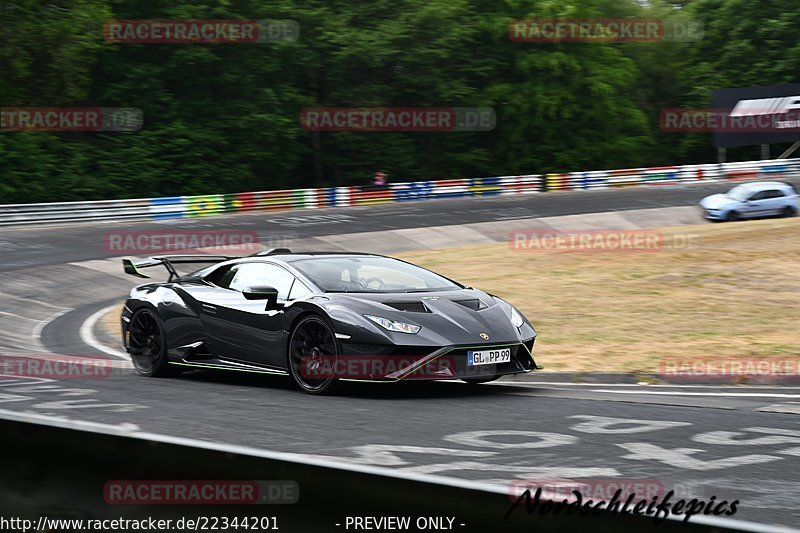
(87, 334)
(37, 331)
(649, 386)
(718, 394)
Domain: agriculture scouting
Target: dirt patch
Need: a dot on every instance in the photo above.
(734, 292)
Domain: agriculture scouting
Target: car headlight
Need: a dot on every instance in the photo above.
(516, 318)
(393, 325)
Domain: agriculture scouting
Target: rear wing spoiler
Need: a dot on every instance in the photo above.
(168, 261)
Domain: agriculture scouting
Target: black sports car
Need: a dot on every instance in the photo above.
(320, 318)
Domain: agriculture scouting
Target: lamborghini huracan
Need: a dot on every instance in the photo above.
(321, 318)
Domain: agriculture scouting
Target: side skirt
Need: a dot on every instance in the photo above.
(234, 367)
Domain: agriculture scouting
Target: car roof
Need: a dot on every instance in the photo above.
(314, 255)
(281, 256)
(765, 185)
(287, 256)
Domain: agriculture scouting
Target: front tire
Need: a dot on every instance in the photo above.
(312, 356)
(732, 216)
(147, 344)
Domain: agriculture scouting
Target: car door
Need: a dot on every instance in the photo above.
(756, 205)
(242, 329)
(776, 202)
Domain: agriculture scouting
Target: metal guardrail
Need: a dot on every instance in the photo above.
(655, 176)
(214, 204)
(58, 468)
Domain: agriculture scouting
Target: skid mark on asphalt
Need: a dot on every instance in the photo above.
(615, 426)
(23, 320)
(48, 396)
(789, 407)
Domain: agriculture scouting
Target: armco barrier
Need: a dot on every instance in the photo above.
(214, 204)
(58, 469)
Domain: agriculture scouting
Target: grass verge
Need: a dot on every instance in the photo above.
(735, 292)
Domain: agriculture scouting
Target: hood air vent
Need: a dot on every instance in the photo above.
(411, 307)
(474, 304)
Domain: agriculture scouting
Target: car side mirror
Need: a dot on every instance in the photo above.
(263, 292)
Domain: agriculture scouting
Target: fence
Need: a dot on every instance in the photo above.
(214, 204)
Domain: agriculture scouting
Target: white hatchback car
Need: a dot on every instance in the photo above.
(750, 200)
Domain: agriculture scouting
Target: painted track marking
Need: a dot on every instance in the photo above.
(88, 337)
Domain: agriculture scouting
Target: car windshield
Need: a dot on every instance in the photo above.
(370, 274)
(739, 193)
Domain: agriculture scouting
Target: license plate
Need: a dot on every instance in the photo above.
(488, 357)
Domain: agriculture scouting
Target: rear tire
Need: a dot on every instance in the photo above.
(147, 344)
(313, 352)
(788, 212)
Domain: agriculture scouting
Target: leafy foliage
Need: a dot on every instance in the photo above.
(226, 117)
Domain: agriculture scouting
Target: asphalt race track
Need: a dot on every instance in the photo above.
(26, 246)
(725, 441)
